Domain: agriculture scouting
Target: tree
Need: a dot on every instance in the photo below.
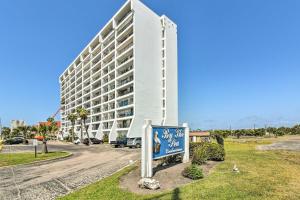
(72, 118)
(34, 130)
(5, 134)
(15, 132)
(83, 115)
(24, 130)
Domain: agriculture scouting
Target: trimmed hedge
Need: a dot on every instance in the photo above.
(215, 152)
(200, 155)
(207, 151)
(193, 172)
(193, 146)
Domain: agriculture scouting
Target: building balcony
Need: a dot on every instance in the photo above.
(125, 102)
(125, 81)
(125, 91)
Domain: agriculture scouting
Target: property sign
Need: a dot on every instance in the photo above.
(34, 142)
(162, 141)
(167, 141)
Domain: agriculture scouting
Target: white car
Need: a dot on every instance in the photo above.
(77, 141)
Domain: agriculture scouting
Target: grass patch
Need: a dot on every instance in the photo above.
(264, 175)
(25, 158)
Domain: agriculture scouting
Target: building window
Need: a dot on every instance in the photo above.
(163, 73)
(164, 103)
(163, 43)
(163, 53)
(164, 93)
(163, 83)
(163, 33)
(163, 63)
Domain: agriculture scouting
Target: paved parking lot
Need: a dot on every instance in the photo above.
(290, 144)
(48, 180)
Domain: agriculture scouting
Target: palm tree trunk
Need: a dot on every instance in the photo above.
(81, 133)
(73, 132)
(45, 148)
(87, 133)
(24, 136)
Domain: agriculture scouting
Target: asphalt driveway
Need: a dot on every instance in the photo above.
(48, 180)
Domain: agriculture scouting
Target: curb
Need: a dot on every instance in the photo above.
(39, 162)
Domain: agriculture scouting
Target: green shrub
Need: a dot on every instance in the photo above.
(215, 152)
(193, 172)
(200, 155)
(219, 139)
(105, 138)
(207, 151)
(193, 146)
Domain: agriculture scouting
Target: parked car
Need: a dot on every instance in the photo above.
(93, 140)
(119, 143)
(77, 141)
(15, 140)
(134, 142)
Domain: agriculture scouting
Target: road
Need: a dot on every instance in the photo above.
(49, 180)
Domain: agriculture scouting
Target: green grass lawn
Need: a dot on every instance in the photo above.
(25, 158)
(263, 175)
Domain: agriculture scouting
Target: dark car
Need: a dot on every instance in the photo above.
(119, 143)
(15, 140)
(93, 140)
(134, 142)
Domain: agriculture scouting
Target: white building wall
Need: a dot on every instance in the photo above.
(147, 68)
(171, 66)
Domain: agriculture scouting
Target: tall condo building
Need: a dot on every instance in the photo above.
(126, 74)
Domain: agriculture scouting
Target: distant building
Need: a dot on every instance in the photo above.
(199, 136)
(58, 123)
(16, 124)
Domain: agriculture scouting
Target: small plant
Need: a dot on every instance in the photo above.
(193, 172)
(105, 138)
(200, 155)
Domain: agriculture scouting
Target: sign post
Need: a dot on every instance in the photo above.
(163, 141)
(35, 144)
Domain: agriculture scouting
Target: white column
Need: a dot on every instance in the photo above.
(186, 155)
(194, 139)
(146, 164)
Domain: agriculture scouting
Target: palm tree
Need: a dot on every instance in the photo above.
(5, 133)
(72, 118)
(24, 130)
(83, 115)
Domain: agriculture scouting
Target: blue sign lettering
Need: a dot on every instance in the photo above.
(167, 141)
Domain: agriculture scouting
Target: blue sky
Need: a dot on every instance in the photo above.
(239, 61)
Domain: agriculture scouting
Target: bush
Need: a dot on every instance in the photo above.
(193, 146)
(193, 172)
(219, 139)
(200, 155)
(105, 138)
(208, 151)
(215, 152)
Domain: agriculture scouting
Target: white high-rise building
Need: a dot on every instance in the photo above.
(126, 74)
